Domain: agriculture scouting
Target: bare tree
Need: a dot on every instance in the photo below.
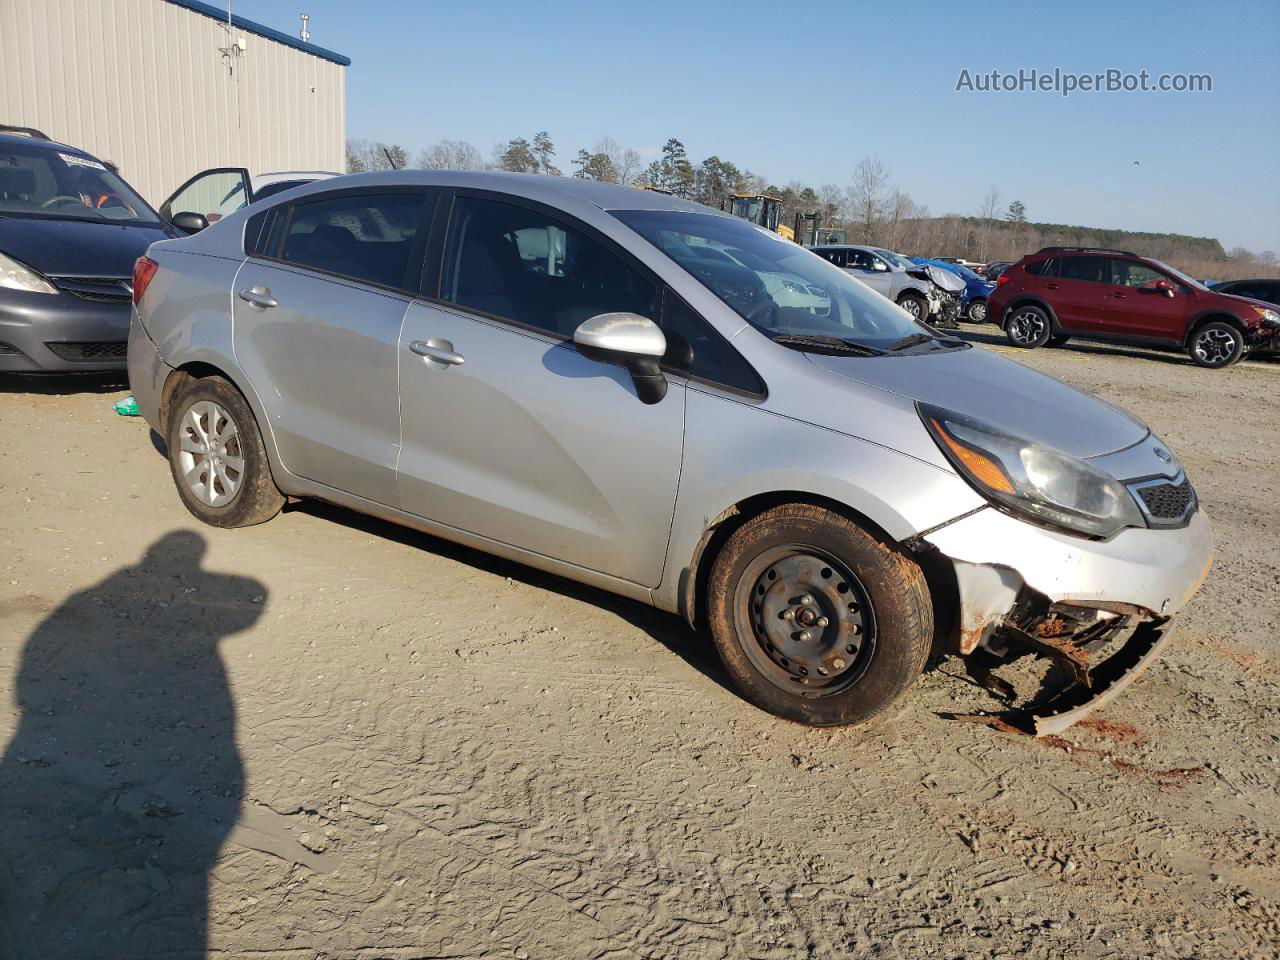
(867, 197)
(451, 155)
(990, 207)
(626, 162)
(831, 201)
(901, 208)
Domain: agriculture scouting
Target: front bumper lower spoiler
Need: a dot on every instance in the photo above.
(1106, 681)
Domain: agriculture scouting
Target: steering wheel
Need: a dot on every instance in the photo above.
(60, 198)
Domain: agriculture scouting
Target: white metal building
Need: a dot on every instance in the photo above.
(166, 88)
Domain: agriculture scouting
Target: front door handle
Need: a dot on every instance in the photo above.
(259, 296)
(436, 349)
(1051, 286)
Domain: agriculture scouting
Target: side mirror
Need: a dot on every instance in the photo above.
(189, 222)
(1159, 286)
(627, 340)
(880, 267)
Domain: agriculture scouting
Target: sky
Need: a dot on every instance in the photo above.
(805, 90)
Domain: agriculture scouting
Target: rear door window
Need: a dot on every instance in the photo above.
(1090, 269)
(368, 236)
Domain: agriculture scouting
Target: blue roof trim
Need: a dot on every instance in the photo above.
(195, 6)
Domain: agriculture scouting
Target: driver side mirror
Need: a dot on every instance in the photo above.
(1160, 286)
(880, 267)
(631, 341)
(189, 222)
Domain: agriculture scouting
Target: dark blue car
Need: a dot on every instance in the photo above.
(973, 302)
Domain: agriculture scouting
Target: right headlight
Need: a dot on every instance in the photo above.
(18, 276)
(1031, 479)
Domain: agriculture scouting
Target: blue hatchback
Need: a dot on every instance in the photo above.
(973, 302)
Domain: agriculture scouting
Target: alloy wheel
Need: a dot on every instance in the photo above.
(210, 457)
(1214, 346)
(1026, 327)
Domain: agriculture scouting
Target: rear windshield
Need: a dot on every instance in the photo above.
(58, 184)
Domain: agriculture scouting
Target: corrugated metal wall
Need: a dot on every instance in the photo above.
(142, 83)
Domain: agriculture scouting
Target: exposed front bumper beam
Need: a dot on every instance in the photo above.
(1023, 588)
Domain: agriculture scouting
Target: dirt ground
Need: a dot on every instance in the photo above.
(328, 737)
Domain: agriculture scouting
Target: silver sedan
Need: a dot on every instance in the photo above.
(646, 395)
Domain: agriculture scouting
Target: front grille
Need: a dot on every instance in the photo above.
(1166, 501)
(91, 350)
(97, 289)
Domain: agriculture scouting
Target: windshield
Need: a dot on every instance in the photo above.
(777, 286)
(1189, 281)
(40, 181)
(897, 259)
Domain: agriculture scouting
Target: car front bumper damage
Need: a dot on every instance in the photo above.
(1026, 590)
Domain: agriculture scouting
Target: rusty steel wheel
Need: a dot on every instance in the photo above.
(815, 618)
(812, 621)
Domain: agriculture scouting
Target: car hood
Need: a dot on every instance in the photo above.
(998, 392)
(60, 248)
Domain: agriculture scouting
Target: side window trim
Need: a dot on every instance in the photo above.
(668, 297)
(409, 284)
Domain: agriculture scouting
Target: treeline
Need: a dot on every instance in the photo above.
(870, 207)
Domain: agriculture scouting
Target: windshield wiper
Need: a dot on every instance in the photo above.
(910, 340)
(836, 344)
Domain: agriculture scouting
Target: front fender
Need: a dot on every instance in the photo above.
(736, 451)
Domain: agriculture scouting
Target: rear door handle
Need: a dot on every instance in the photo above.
(437, 349)
(259, 296)
(1051, 286)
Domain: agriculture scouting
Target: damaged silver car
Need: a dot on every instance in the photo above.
(625, 389)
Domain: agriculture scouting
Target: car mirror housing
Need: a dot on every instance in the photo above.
(630, 341)
(189, 222)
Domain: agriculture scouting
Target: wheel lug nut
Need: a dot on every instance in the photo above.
(823, 621)
(788, 614)
(804, 636)
(806, 599)
(822, 671)
(838, 663)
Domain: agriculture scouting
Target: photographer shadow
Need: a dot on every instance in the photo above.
(123, 779)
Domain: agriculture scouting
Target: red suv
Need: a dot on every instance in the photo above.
(1063, 292)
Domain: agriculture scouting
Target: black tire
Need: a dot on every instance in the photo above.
(1028, 327)
(915, 305)
(1058, 340)
(251, 496)
(1216, 344)
(977, 312)
(876, 623)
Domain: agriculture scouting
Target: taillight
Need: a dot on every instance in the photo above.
(144, 268)
(1003, 278)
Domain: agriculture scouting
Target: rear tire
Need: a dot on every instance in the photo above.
(1028, 327)
(1215, 345)
(217, 458)
(816, 620)
(915, 305)
(977, 312)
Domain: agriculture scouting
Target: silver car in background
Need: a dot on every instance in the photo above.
(893, 277)
(669, 403)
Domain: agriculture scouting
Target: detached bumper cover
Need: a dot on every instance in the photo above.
(1106, 681)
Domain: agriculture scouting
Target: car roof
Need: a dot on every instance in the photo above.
(25, 141)
(532, 186)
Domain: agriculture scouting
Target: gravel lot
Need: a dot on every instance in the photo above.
(330, 737)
